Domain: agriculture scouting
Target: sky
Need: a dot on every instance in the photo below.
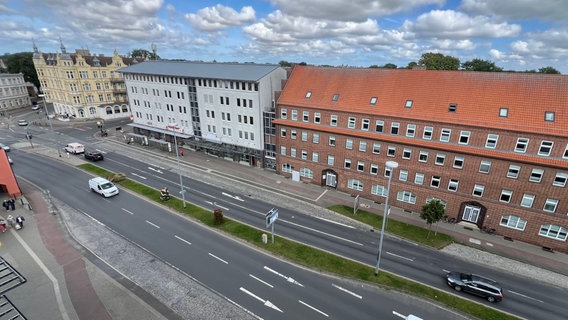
(514, 34)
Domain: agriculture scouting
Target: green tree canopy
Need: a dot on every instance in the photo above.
(438, 61)
(411, 65)
(22, 62)
(432, 212)
(143, 53)
(389, 66)
(284, 63)
(549, 70)
(481, 65)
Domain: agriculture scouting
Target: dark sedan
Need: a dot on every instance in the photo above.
(475, 284)
(94, 155)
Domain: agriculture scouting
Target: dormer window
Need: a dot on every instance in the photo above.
(335, 97)
(549, 116)
(408, 104)
(308, 94)
(453, 107)
(373, 100)
(503, 112)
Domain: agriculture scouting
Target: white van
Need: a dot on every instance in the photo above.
(103, 187)
(75, 148)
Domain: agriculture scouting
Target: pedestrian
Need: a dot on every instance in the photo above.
(3, 225)
(20, 220)
(10, 221)
(6, 205)
(12, 204)
(181, 152)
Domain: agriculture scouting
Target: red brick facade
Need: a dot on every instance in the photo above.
(486, 118)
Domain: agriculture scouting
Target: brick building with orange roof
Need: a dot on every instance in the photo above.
(492, 146)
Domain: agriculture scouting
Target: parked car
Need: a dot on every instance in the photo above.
(5, 147)
(75, 148)
(93, 155)
(10, 160)
(22, 122)
(475, 284)
(35, 107)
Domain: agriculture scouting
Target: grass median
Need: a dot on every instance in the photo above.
(318, 259)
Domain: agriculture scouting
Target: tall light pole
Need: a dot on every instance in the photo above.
(182, 191)
(50, 125)
(391, 165)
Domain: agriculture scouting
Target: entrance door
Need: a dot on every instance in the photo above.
(471, 213)
(330, 180)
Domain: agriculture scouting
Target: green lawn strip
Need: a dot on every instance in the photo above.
(408, 231)
(308, 256)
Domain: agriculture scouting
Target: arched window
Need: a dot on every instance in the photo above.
(553, 231)
(124, 108)
(307, 173)
(286, 167)
(406, 196)
(355, 184)
(513, 222)
(116, 109)
(108, 110)
(92, 111)
(379, 190)
(441, 201)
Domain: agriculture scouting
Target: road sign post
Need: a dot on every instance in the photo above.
(271, 217)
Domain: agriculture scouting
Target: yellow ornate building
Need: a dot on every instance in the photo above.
(81, 85)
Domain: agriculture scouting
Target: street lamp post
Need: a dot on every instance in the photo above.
(391, 165)
(175, 127)
(50, 124)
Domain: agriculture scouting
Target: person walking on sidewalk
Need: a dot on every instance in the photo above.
(2, 225)
(181, 152)
(20, 220)
(10, 221)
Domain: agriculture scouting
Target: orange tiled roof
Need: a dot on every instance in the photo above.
(479, 95)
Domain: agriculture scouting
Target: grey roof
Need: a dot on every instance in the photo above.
(209, 70)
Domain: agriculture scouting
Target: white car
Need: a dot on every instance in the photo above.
(35, 107)
(5, 147)
(22, 123)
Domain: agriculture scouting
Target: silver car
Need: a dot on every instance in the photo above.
(475, 284)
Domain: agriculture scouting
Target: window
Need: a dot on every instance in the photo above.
(317, 118)
(333, 120)
(286, 167)
(435, 182)
(545, 148)
(394, 127)
(491, 142)
(419, 178)
(453, 107)
(316, 138)
(283, 114)
(347, 164)
(379, 125)
(283, 150)
(351, 123)
(427, 135)
(335, 97)
(410, 130)
(408, 104)
(503, 112)
(304, 136)
(304, 154)
(365, 124)
(373, 101)
(330, 160)
(374, 169)
(513, 222)
(445, 135)
(550, 205)
(506, 196)
(306, 173)
(403, 175)
(406, 153)
(565, 155)
(560, 179)
(376, 148)
(379, 190)
(308, 94)
(458, 162)
(355, 184)
(283, 132)
(349, 144)
(553, 231)
(485, 166)
(315, 157)
(391, 151)
(522, 144)
(387, 172)
(293, 152)
(361, 166)
(478, 190)
(527, 200)
(306, 116)
(363, 146)
(549, 116)
(293, 134)
(440, 158)
(406, 196)
(423, 157)
(332, 141)
(464, 137)
(295, 115)
(536, 175)
(453, 185)
(513, 172)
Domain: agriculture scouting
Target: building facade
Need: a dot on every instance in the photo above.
(493, 147)
(13, 92)
(81, 85)
(214, 107)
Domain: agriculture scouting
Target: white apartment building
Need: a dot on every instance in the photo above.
(13, 92)
(215, 107)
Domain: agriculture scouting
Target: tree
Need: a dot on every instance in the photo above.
(481, 65)
(548, 70)
(284, 63)
(22, 62)
(373, 66)
(438, 61)
(389, 66)
(411, 65)
(432, 212)
(143, 53)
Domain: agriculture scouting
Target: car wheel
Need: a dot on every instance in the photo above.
(457, 288)
(491, 299)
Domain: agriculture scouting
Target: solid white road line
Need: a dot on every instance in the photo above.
(524, 296)
(398, 256)
(214, 256)
(307, 305)
(154, 225)
(288, 279)
(182, 239)
(347, 291)
(265, 302)
(261, 281)
(398, 314)
(127, 211)
(321, 232)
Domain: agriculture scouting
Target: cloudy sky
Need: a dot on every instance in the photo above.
(515, 34)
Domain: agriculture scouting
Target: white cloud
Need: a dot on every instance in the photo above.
(220, 17)
(519, 9)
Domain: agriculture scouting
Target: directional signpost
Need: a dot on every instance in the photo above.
(271, 217)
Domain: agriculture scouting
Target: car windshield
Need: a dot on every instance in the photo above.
(107, 186)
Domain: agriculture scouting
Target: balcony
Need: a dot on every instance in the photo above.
(116, 79)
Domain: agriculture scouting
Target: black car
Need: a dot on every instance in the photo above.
(475, 284)
(94, 155)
